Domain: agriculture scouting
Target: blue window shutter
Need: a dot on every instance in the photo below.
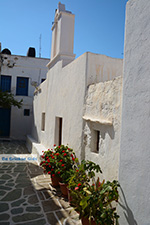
(5, 83)
(22, 86)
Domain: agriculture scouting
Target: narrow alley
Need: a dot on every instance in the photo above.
(26, 194)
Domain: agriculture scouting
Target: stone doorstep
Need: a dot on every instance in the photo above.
(5, 139)
(34, 147)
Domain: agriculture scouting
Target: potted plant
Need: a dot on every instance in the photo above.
(48, 163)
(84, 173)
(66, 162)
(92, 199)
(97, 203)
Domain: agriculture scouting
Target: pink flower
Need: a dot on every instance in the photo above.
(76, 188)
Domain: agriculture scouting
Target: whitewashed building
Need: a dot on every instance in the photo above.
(20, 75)
(100, 107)
(134, 168)
(79, 104)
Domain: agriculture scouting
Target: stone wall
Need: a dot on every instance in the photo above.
(103, 113)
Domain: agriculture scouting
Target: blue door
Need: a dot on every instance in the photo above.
(4, 122)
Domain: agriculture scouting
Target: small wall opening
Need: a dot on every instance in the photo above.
(58, 130)
(43, 122)
(96, 141)
(26, 112)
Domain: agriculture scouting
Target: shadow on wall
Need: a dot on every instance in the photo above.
(126, 210)
(107, 129)
(34, 130)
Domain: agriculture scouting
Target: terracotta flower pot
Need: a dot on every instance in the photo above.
(85, 221)
(63, 188)
(55, 181)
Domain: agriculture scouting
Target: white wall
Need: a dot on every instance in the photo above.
(67, 33)
(63, 95)
(64, 98)
(102, 68)
(103, 113)
(134, 171)
(39, 107)
(32, 68)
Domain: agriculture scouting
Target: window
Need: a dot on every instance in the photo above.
(43, 122)
(26, 112)
(42, 80)
(22, 86)
(96, 141)
(5, 83)
(58, 130)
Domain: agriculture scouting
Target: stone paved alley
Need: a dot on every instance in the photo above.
(26, 194)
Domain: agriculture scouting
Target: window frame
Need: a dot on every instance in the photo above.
(3, 83)
(19, 90)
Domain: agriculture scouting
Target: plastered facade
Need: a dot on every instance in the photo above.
(103, 114)
(134, 170)
(29, 67)
(90, 94)
(68, 93)
(64, 95)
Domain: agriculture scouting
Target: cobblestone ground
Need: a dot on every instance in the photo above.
(26, 194)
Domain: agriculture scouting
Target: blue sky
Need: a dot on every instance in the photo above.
(99, 25)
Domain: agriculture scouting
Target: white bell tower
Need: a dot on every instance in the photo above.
(62, 37)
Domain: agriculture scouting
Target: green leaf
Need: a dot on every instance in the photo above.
(87, 191)
(83, 203)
